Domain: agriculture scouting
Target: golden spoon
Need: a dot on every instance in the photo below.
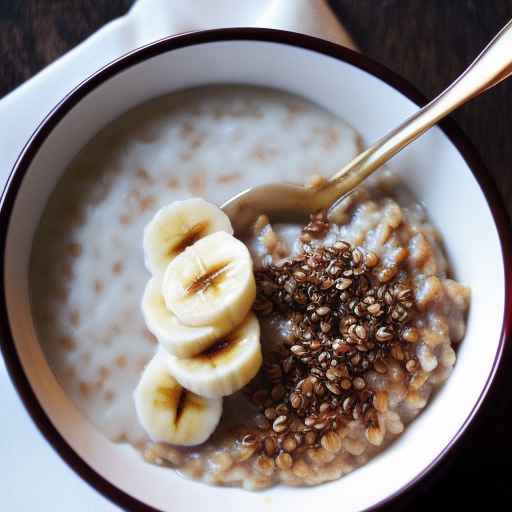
(285, 201)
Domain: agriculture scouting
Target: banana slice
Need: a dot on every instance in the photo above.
(178, 339)
(226, 366)
(210, 282)
(177, 226)
(168, 412)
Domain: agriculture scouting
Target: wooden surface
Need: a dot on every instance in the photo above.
(429, 42)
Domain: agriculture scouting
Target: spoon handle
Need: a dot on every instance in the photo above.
(492, 66)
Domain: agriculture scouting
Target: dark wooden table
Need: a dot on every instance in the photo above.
(429, 42)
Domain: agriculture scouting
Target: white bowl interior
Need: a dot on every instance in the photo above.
(431, 167)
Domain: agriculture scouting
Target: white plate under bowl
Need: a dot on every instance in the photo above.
(440, 168)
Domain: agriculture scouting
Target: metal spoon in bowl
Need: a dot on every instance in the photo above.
(284, 201)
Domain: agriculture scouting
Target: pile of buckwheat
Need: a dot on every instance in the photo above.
(344, 322)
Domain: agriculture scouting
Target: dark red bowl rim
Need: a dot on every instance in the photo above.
(340, 53)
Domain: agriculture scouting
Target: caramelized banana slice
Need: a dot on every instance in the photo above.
(170, 413)
(226, 366)
(177, 226)
(211, 282)
(178, 339)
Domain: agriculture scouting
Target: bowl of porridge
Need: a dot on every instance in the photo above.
(372, 339)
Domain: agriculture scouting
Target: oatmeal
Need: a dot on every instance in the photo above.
(353, 344)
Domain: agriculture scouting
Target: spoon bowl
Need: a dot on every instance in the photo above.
(280, 201)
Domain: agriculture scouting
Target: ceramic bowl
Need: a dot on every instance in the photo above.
(441, 169)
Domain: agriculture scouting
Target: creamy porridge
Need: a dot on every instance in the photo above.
(359, 317)
(88, 271)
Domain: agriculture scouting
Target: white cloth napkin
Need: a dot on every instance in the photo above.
(147, 21)
(32, 472)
